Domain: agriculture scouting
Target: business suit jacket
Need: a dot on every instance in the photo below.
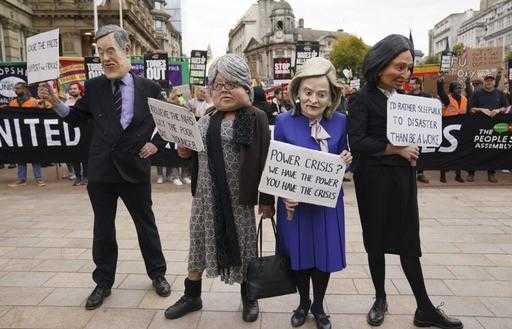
(113, 154)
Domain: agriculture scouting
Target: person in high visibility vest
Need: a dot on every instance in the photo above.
(453, 104)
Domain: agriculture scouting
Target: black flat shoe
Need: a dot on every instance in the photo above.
(96, 298)
(376, 314)
(183, 306)
(250, 310)
(299, 317)
(162, 287)
(322, 321)
(436, 318)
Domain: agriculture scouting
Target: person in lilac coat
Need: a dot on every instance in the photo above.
(313, 237)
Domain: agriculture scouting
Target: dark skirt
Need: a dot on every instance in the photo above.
(388, 208)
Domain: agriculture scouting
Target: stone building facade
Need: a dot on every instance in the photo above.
(22, 18)
(269, 30)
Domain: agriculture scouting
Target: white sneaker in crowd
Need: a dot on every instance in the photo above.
(160, 180)
(506, 171)
(177, 182)
(187, 180)
(72, 177)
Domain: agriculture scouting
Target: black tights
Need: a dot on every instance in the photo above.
(412, 269)
(320, 281)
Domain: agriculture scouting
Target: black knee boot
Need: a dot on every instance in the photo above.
(189, 302)
(250, 308)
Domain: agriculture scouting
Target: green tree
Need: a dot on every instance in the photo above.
(432, 60)
(509, 56)
(348, 53)
(458, 49)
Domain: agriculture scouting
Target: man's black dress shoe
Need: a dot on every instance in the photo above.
(162, 287)
(377, 312)
(436, 318)
(96, 298)
(183, 306)
(322, 321)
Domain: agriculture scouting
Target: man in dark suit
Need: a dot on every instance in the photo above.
(118, 158)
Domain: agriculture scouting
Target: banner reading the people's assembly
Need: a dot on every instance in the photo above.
(10, 75)
(413, 120)
(302, 174)
(198, 59)
(472, 142)
(176, 124)
(304, 51)
(156, 69)
(43, 56)
(93, 67)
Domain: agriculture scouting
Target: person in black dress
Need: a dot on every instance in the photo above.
(385, 182)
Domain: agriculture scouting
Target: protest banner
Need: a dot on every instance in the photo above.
(413, 120)
(43, 56)
(302, 174)
(178, 71)
(198, 60)
(72, 69)
(476, 63)
(10, 75)
(282, 71)
(93, 67)
(446, 61)
(176, 124)
(305, 50)
(155, 69)
(137, 66)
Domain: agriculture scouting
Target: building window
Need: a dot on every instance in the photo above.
(2, 44)
(280, 25)
(159, 25)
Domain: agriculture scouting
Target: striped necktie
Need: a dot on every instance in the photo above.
(117, 99)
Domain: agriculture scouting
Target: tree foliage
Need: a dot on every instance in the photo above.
(458, 49)
(348, 53)
(432, 60)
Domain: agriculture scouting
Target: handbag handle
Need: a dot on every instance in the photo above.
(260, 235)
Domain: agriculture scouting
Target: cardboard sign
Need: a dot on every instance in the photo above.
(176, 124)
(446, 62)
(477, 62)
(302, 174)
(198, 61)
(413, 120)
(43, 56)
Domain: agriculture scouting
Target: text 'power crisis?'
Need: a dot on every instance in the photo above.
(414, 120)
(302, 174)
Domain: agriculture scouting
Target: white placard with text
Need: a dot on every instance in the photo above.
(43, 56)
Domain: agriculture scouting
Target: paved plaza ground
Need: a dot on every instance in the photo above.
(45, 263)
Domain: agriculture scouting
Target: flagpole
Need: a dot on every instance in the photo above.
(121, 13)
(95, 6)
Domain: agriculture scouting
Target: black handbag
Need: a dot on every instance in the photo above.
(269, 276)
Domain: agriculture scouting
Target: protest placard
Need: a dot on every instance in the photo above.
(198, 61)
(476, 63)
(176, 124)
(43, 56)
(305, 50)
(93, 67)
(414, 120)
(282, 71)
(10, 75)
(156, 69)
(302, 174)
